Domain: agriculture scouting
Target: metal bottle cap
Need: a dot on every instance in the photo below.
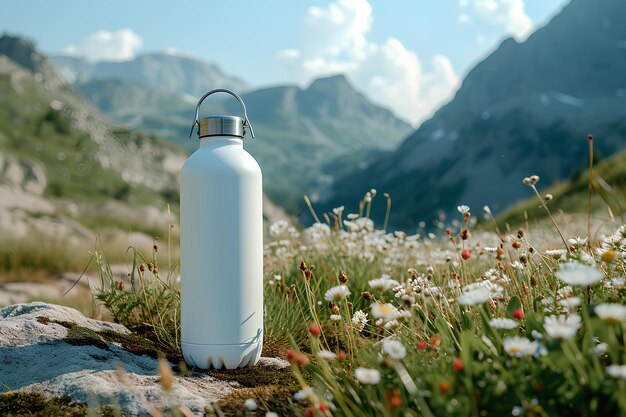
(222, 125)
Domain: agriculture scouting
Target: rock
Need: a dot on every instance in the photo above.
(35, 357)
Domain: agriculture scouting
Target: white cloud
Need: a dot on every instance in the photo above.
(289, 53)
(103, 45)
(507, 13)
(463, 18)
(335, 41)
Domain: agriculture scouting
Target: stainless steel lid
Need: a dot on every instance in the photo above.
(221, 126)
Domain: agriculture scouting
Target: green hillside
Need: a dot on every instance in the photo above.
(609, 191)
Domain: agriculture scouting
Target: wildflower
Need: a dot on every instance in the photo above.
(519, 346)
(359, 319)
(337, 293)
(314, 329)
(394, 348)
(367, 376)
(341, 355)
(304, 394)
(503, 324)
(518, 313)
(343, 278)
(383, 283)
(457, 364)
(296, 357)
(465, 234)
(562, 327)
(334, 309)
(475, 296)
(335, 317)
(463, 209)
(338, 210)
(250, 404)
(323, 407)
(611, 313)
(327, 355)
(444, 387)
(556, 253)
(393, 399)
(421, 345)
(271, 414)
(303, 266)
(600, 349)
(616, 371)
(466, 254)
(608, 256)
(517, 265)
(278, 228)
(383, 311)
(570, 303)
(577, 274)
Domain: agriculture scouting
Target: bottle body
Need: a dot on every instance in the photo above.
(221, 263)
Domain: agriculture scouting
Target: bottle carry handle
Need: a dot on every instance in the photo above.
(246, 122)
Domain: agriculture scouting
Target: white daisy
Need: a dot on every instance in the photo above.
(612, 313)
(503, 324)
(463, 209)
(383, 284)
(338, 210)
(367, 376)
(384, 311)
(556, 253)
(250, 404)
(303, 394)
(337, 293)
(570, 302)
(616, 371)
(278, 228)
(392, 324)
(474, 296)
(562, 327)
(359, 319)
(394, 348)
(327, 354)
(519, 346)
(335, 317)
(578, 274)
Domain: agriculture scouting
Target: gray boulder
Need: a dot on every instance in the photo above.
(35, 356)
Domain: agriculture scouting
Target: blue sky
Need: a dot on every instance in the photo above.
(409, 55)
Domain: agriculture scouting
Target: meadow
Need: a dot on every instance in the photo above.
(454, 322)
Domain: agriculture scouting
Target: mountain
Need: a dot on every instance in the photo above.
(67, 171)
(168, 72)
(525, 109)
(301, 133)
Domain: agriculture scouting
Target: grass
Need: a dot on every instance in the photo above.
(429, 346)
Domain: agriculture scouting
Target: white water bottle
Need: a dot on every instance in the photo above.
(221, 245)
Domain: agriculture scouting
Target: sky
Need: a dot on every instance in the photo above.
(408, 55)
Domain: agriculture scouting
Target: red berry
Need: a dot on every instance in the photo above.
(341, 355)
(457, 364)
(421, 345)
(308, 412)
(466, 254)
(323, 407)
(518, 314)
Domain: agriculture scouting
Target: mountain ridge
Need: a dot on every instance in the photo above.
(526, 108)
